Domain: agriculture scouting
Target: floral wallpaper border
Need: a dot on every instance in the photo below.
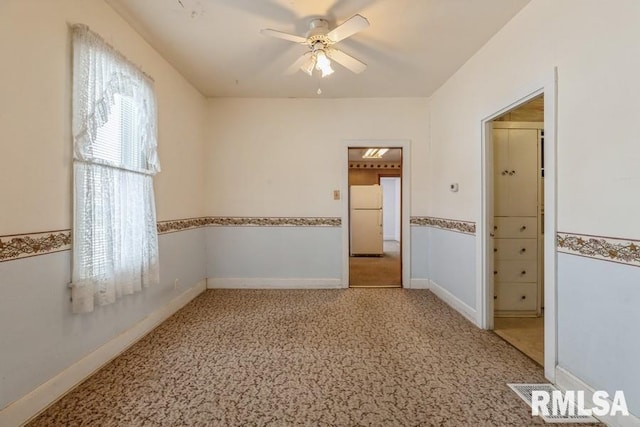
(466, 227)
(224, 221)
(27, 245)
(623, 251)
(171, 226)
(18, 246)
(277, 221)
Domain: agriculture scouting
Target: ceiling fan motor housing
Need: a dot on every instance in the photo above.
(318, 29)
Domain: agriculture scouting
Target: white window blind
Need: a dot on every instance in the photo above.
(115, 249)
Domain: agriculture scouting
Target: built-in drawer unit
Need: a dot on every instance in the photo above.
(518, 205)
(515, 227)
(515, 249)
(516, 271)
(516, 296)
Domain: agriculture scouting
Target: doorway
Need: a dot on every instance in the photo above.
(517, 230)
(375, 213)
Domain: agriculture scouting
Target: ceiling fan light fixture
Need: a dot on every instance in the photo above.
(323, 63)
(309, 66)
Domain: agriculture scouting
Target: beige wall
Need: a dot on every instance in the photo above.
(284, 157)
(36, 195)
(594, 46)
(35, 115)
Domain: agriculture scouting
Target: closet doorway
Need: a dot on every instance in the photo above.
(517, 227)
(375, 213)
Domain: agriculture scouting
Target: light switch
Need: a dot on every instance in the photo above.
(336, 194)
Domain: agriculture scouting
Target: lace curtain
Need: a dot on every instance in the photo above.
(115, 244)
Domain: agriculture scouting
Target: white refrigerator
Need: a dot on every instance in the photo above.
(366, 220)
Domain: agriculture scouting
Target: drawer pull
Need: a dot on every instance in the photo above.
(495, 272)
(512, 173)
(523, 250)
(495, 297)
(495, 249)
(524, 297)
(524, 272)
(524, 227)
(504, 172)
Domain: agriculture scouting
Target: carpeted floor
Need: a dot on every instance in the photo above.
(384, 271)
(353, 357)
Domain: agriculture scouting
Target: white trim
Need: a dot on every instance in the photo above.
(453, 301)
(547, 86)
(419, 284)
(567, 381)
(551, 226)
(27, 407)
(272, 283)
(405, 144)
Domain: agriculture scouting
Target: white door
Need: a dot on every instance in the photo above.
(390, 208)
(366, 232)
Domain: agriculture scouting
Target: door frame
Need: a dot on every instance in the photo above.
(405, 251)
(547, 86)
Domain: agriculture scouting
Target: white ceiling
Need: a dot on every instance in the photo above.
(412, 46)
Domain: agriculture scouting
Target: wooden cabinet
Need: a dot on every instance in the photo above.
(514, 227)
(516, 172)
(517, 219)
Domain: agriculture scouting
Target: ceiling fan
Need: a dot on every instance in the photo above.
(320, 42)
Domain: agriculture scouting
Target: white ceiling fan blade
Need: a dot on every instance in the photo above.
(300, 63)
(348, 28)
(347, 61)
(284, 36)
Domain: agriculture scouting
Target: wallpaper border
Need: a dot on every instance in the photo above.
(613, 249)
(466, 227)
(275, 221)
(174, 225)
(17, 246)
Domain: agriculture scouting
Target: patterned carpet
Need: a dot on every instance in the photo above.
(354, 357)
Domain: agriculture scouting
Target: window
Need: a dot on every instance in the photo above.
(115, 247)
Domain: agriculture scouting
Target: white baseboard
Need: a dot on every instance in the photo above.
(419, 284)
(453, 301)
(565, 380)
(274, 283)
(27, 407)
